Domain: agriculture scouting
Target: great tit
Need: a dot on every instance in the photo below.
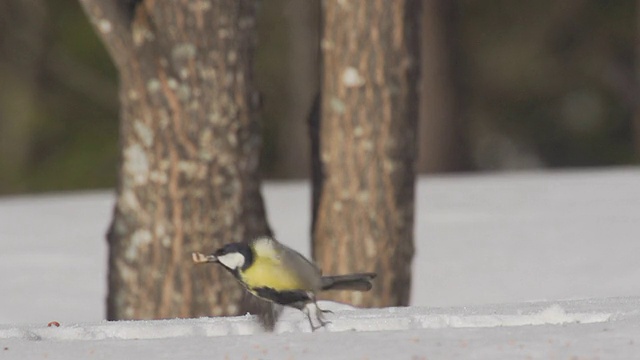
(281, 275)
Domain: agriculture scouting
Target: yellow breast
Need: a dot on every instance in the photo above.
(268, 272)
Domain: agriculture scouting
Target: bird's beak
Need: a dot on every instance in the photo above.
(199, 258)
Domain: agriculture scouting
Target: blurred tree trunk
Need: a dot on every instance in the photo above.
(636, 115)
(443, 141)
(288, 79)
(367, 145)
(23, 28)
(190, 145)
(303, 84)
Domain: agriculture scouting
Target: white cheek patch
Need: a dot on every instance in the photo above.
(232, 260)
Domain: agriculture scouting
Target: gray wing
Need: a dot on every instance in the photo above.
(308, 272)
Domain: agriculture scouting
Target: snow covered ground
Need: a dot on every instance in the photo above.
(502, 261)
(562, 330)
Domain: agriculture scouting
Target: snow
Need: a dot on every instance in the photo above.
(531, 264)
(344, 320)
(535, 330)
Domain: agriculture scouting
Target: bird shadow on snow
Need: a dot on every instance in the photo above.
(344, 318)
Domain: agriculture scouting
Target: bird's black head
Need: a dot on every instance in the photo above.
(235, 256)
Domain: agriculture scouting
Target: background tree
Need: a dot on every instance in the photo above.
(189, 146)
(636, 113)
(287, 75)
(364, 199)
(443, 134)
(22, 28)
(304, 84)
(539, 84)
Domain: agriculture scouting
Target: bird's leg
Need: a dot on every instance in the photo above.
(306, 311)
(312, 297)
(319, 312)
(318, 315)
(323, 311)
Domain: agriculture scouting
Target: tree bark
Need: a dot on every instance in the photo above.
(23, 28)
(367, 145)
(635, 121)
(442, 135)
(190, 146)
(303, 82)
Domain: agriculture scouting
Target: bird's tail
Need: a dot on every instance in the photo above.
(354, 282)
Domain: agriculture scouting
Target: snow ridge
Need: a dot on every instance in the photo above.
(387, 319)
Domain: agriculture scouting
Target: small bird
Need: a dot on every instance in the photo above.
(281, 275)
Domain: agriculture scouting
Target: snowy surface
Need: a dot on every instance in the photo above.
(532, 243)
(564, 330)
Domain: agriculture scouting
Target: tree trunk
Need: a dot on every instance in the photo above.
(442, 137)
(23, 29)
(367, 145)
(635, 121)
(303, 85)
(190, 145)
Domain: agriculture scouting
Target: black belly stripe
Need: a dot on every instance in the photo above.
(287, 297)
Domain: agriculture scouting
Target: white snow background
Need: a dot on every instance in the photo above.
(515, 265)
